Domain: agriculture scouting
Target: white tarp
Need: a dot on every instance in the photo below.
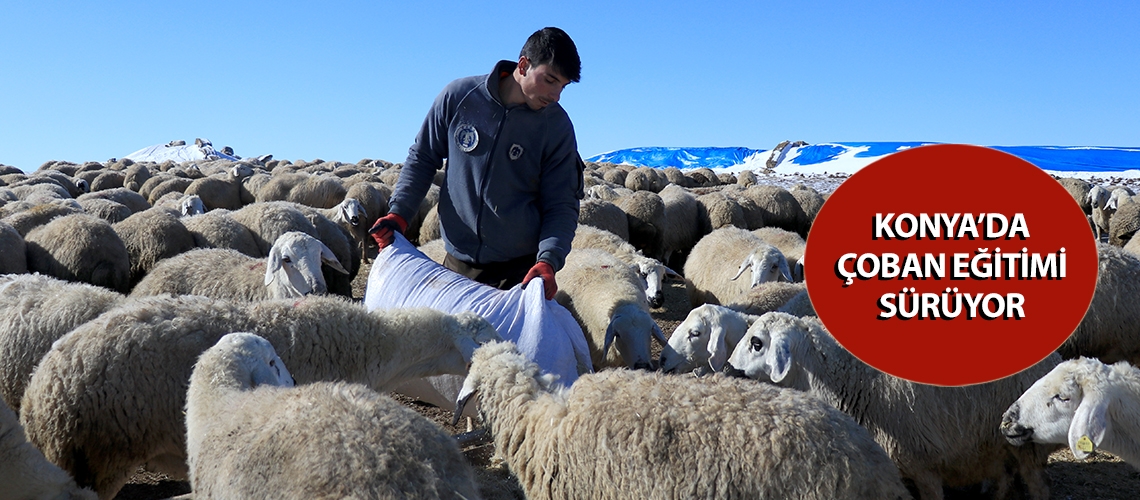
(178, 154)
(545, 331)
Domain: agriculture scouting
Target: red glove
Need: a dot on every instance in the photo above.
(385, 228)
(545, 271)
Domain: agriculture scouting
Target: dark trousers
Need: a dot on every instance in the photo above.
(501, 275)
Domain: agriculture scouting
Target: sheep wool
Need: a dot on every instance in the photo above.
(24, 472)
(635, 434)
(937, 436)
(251, 435)
(80, 247)
(1110, 329)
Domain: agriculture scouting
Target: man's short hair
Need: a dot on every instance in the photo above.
(553, 46)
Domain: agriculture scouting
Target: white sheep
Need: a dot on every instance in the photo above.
(35, 311)
(108, 396)
(80, 247)
(704, 339)
(151, 236)
(936, 435)
(293, 269)
(709, 269)
(132, 200)
(608, 299)
(682, 223)
(1110, 328)
(110, 211)
(766, 297)
(604, 215)
(651, 271)
(1083, 403)
(25, 473)
(790, 243)
(636, 434)
(250, 434)
(217, 229)
(24, 217)
(645, 213)
(222, 190)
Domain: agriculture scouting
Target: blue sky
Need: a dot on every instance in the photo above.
(343, 80)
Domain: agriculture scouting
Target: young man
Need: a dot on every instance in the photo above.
(508, 206)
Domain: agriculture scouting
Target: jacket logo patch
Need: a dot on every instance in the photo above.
(466, 137)
(515, 152)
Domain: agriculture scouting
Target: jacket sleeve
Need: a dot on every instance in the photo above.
(424, 157)
(560, 192)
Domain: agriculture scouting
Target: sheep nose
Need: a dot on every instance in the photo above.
(642, 365)
(657, 300)
(733, 371)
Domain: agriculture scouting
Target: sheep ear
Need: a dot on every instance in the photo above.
(328, 258)
(718, 351)
(1089, 425)
(743, 266)
(672, 274)
(610, 333)
(784, 269)
(779, 358)
(272, 265)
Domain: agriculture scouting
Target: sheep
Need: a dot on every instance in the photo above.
(134, 201)
(645, 179)
(250, 434)
(603, 215)
(135, 176)
(374, 200)
(789, 243)
(39, 214)
(108, 396)
(780, 208)
(80, 247)
(809, 199)
(217, 229)
(1079, 189)
(1110, 328)
(1104, 204)
(222, 190)
(1083, 403)
(173, 184)
(799, 305)
(709, 277)
(938, 436)
(25, 473)
(651, 271)
(340, 242)
(13, 259)
(704, 177)
(717, 210)
(746, 178)
(1124, 223)
(266, 221)
(151, 236)
(704, 339)
(110, 211)
(646, 215)
(608, 299)
(627, 433)
(318, 191)
(615, 176)
(682, 224)
(434, 250)
(766, 297)
(293, 269)
(429, 229)
(36, 310)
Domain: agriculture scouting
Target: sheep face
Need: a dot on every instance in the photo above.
(631, 329)
(192, 205)
(767, 264)
(766, 351)
(1098, 196)
(701, 341)
(1059, 408)
(652, 273)
(257, 363)
(352, 212)
(294, 266)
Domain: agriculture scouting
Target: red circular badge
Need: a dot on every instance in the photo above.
(951, 265)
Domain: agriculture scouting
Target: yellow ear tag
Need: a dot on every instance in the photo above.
(1085, 444)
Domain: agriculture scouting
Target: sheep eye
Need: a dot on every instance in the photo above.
(1060, 398)
(694, 334)
(286, 259)
(756, 343)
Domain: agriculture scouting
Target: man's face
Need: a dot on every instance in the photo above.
(541, 85)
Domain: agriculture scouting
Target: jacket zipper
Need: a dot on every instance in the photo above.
(483, 186)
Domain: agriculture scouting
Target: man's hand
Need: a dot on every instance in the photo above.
(544, 270)
(385, 228)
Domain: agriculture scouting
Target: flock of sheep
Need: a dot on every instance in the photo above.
(197, 319)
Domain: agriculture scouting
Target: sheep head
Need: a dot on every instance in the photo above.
(1066, 406)
(768, 352)
(631, 327)
(702, 340)
(241, 361)
(767, 264)
(294, 265)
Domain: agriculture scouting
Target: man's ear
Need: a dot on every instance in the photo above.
(524, 65)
